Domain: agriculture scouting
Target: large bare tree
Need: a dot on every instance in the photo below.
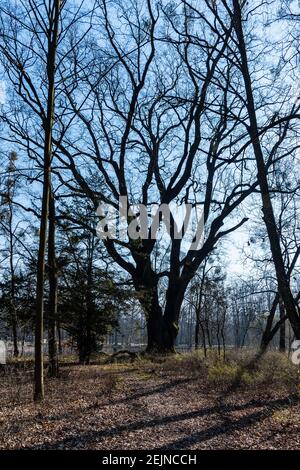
(153, 119)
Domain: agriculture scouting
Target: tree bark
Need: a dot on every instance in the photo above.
(60, 351)
(171, 317)
(282, 344)
(14, 317)
(53, 367)
(48, 125)
(162, 326)
(89, 343)
(197, 329)
(154, 319)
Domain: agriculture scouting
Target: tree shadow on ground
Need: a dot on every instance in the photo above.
(226, 428)
(42, 416)
(152, 391)
(230, 426)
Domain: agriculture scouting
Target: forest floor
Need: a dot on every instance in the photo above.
(184, 402)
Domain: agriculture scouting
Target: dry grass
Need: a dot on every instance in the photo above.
(274, 370)
(181, 401)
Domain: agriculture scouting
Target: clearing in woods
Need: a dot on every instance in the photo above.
(184, 402)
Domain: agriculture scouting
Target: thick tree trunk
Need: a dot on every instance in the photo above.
(146, 286)
(262, 176)
(162, 326)
(154, 318)
(161, 334)
(267, 334)
(170, 325)
(53, 368)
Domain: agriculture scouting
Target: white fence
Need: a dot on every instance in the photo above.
(2, 352)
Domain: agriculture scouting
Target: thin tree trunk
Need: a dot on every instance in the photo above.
(198, 309)
(282, 344)
(223, 343)
(218, 340)
(53, 369)
(14, 319)
(197, 329)
(48, 125)
(203, 339)
(90, 304)
(39, 322)
(23, 343)
(262, 176)
(59, 338)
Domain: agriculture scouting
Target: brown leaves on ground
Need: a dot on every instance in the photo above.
(181, 403)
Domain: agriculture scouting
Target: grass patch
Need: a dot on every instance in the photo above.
(274, 370)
